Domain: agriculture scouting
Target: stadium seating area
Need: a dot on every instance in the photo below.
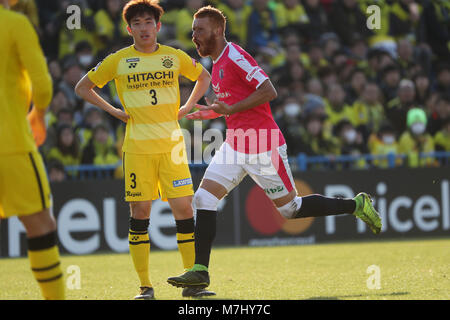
(346, 86)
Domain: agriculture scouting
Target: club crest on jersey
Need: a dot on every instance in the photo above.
(167, 62)
(221, 73)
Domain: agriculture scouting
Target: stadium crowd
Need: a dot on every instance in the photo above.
(346, 86)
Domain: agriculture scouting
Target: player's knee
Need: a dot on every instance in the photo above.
(39, 223)
(204, 200)
(140, 210)
(289, 210)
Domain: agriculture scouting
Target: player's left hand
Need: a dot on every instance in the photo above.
(37, 123)
(218, 107)
(183, 111)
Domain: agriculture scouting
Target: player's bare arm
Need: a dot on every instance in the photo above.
(33, 60)
(265, 93)
(199, 90)
(85, 89)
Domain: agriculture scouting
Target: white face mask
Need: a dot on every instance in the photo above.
(292, 109)
(418, 128)
(86, 60)
(388, 140)
(350, 135)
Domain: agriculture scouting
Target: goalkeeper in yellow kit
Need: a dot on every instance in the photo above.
(24, 187)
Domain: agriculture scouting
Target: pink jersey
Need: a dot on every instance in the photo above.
(236, 75)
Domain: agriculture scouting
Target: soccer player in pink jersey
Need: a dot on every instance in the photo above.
(254, 145)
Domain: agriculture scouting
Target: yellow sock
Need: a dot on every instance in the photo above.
(139, 244)
(186, 246)
(46, 268)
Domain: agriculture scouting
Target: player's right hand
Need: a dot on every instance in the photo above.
(121, 115)
(37, 124)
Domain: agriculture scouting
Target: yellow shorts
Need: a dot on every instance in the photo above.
(24, 187)
(150, 176)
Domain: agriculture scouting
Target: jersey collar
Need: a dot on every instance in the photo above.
(145, 53)
(220, 55)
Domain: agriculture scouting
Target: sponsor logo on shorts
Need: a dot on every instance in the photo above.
(182, 182)
(274, 190)
(134, 194)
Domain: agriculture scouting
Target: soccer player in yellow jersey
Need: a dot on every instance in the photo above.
(146, 77)
(24, 187)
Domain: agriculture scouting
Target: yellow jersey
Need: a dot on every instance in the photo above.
(24, 77)
(148, 88)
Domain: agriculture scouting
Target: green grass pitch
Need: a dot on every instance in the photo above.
(418, 269)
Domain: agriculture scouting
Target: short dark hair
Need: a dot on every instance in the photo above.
(386, 127)
(136, 8)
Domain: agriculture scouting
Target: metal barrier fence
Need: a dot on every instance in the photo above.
(301, 162)
(90, 171)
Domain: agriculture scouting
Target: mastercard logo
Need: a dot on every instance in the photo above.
(264, 217)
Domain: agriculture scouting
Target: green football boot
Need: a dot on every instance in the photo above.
(366, 212)
(199, 279)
